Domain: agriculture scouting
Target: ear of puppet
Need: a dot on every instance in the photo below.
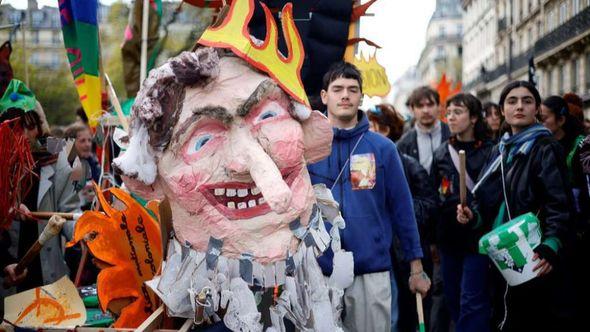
(139, 161)
(317, 136)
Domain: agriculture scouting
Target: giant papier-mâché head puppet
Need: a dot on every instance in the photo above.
(225, 133)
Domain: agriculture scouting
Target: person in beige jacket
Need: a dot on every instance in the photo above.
(53, 190)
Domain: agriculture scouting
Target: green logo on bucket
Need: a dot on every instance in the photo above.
(506, 244)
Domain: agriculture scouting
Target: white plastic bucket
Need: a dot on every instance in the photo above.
(510, 247)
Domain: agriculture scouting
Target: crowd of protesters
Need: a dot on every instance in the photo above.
(524, 154)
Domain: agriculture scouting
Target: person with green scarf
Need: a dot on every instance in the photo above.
(530, 164)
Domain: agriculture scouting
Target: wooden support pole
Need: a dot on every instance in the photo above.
(144, 40)
(420, 309)
(462, 179)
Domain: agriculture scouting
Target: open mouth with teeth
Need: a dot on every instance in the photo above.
(242, 200)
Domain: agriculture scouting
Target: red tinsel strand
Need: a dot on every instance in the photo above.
(16, 169)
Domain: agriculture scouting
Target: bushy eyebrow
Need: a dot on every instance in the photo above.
(264, 89)
(218, 113)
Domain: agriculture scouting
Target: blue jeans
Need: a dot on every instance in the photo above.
(466, 289)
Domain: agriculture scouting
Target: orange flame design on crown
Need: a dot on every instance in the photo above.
(233, 33)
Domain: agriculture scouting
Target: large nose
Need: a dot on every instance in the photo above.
(245, 155)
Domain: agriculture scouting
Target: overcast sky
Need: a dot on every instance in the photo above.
(399, 27)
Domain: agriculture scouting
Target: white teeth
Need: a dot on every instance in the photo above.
(261, 200)
(242, 192)
(255, 191)
(230, 193)
(219, 191)
(251, 203)
(241, 205)
(231, 205)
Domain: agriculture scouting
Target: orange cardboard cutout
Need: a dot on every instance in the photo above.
(233, 33)
(129, 242)
(445, 91)
(56, 305)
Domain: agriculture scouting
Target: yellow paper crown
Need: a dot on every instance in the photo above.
(233, 33)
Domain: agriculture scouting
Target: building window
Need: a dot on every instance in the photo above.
(587, 76)
(550, 20)
(550, 82)
(35, 37)
(37, 18)
(15, 17)
(34, 59)
(562, 13)
(575, 7)
(574, 75)
(560, 80)
(55, 38)
(442, 32)
(54, 60)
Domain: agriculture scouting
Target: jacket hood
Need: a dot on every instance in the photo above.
(361, 127)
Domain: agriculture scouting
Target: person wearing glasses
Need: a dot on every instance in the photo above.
(464, 270)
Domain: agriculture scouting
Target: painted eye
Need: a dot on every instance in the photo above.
(201, 141)
(267, 115)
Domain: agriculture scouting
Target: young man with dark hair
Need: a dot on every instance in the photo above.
(420, 142)
(366, 177)
(429, 132)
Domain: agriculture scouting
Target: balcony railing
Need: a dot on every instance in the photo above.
(570, 29)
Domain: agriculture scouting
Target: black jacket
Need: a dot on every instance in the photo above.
(5, 258)
(408, 143)
(423, 195)
(536, 182)
(450, 234)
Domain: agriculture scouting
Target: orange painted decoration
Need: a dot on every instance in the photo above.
(445, 91)
(46, 301)
(129, 241)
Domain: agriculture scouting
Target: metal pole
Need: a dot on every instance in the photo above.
(25, 58)
(144, 40)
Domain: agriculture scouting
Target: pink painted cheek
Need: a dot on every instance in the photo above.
(184, 188)
(283, 141)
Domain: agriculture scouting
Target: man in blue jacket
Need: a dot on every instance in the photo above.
(366, 177)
